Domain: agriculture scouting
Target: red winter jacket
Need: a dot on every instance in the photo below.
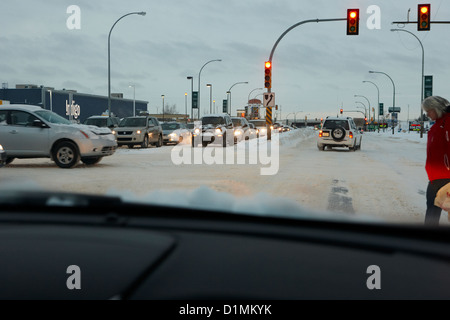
(438, 149)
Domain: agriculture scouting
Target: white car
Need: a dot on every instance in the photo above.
(28, 131)
(174, 132)
(213, 129)
(339, 132)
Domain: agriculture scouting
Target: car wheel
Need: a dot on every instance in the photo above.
(145, 142)
(321, 148)
(338, 134)
(130, 146)
(359, 145)
(66, 155)
(91, 160)
(9, 160)
(160, 142)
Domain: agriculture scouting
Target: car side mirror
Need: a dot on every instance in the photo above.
(39, 124)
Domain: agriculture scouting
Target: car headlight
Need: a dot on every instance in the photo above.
(173, 135)
(138, 132)
(1, 147)
(197, 131)
(218, 131)
(113, 132)
(237, 132)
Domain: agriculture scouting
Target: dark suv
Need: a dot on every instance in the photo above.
(142, 131)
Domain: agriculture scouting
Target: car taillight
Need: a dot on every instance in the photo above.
(350, 134)
(320, 134)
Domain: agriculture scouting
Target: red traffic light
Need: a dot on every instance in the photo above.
(352, 21)
(342, 111)
(268, 74)
(423, 17)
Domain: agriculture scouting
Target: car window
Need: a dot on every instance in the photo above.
(213, 120)
(332, 124)
(133, 122)
(21, 118)
(3, 117)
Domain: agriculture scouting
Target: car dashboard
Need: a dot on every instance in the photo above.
(129, 251)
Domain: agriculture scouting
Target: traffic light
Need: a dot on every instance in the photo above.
(423, 17)
(268, 74)
(352, 21)
(342, 111)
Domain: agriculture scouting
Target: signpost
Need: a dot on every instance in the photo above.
(428, 86)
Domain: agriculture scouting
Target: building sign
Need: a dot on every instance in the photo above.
(73, 110)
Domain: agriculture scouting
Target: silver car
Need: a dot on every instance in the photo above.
(32, 132)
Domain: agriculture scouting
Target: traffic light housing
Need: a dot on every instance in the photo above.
(342, 111)
(268, 74)
(352, 21)
(423, 17)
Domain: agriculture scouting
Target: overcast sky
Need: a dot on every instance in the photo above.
(317, 68)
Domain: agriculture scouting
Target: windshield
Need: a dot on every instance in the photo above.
(258, 123)
(170, 126)
(133, 122)
(52, 117)
(97, 122)
(205, 64)
(236, 122)
(213, 120)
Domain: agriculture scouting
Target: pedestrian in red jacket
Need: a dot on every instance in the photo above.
(437, 164)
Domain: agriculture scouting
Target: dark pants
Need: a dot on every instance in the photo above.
(433, 213)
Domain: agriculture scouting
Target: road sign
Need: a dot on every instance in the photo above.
(396, 109)
(428, 86)
(269, 99)
(194, 99)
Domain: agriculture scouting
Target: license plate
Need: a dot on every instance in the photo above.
(326, 134)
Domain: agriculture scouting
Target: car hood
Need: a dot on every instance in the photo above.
(129, 128)
(94, 129)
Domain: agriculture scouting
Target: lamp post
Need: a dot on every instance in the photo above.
(393, 120)
(252, 91)
(164, 116)
(199, 74)
(134, 99)
(185, 105)
(109, 56)
(423, 79)
(229, 92)
(209, 85)
(356, 95)
(192, 90)
(378, 90)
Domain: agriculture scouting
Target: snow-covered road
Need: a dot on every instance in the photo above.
(384, 180)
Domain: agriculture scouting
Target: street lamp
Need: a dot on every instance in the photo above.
(134, 99)
(356, 95)
(164, 116)
(109, 57)
(229, 92)
(199, 74)
(423, 78)
(252, 91)
(210, 97)
(378, 90)
(192, 90)
(393, 112)
(185, 105)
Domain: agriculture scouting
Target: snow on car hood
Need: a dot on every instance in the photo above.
(94, 129)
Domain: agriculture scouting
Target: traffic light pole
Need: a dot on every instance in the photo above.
(269, 90)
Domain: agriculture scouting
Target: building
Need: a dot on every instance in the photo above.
(71, 104)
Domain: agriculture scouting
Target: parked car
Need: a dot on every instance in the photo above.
(241, 129)
(28, 131)
(174, 132)
(339, 132)
(142, 131)
(214, 128)
(2, 156)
